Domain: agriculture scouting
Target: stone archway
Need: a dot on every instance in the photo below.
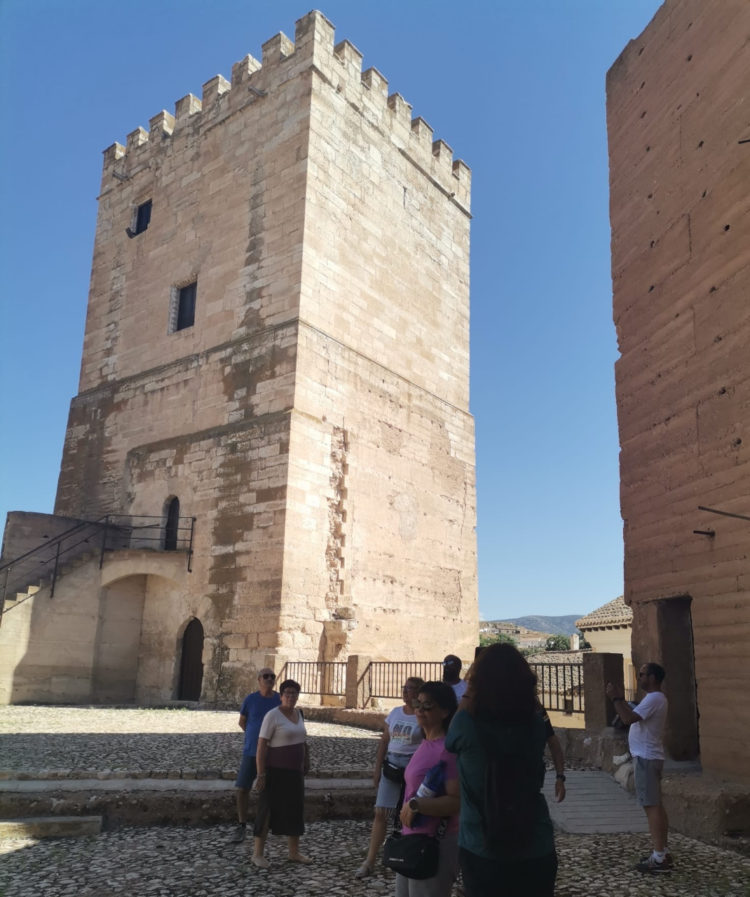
(191, 662)
(117, 640)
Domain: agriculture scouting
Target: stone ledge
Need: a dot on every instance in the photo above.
(709, 809)
(191, 775)
(361, 719)
(176, 806)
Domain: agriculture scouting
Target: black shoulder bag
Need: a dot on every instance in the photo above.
(413, 856)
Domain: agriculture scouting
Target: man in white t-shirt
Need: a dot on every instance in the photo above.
(646, 742)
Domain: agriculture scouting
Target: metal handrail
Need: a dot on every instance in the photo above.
(49, 542)
(111, 532)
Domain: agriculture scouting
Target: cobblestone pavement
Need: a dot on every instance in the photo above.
(200, 862)
(193, 861)
(91, 742)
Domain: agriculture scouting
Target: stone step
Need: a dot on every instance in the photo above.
(50, 827)
(169, 801)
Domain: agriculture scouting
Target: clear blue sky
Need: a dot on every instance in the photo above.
(516, 88)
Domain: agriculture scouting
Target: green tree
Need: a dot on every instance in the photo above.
(491, 638)
(557, 643)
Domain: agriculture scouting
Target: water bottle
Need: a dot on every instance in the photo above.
(432, 785)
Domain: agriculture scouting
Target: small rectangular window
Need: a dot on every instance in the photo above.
(143, 216)
(186, 306)
(140, 220)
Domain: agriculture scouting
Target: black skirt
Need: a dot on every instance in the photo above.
(281, 804)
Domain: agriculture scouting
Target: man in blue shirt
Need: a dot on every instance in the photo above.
(254, 708)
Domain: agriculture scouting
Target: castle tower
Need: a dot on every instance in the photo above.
(277, 340)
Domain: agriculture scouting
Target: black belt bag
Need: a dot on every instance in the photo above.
(392, 772)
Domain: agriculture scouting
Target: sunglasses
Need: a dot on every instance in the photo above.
(269, 676)
(424, 705)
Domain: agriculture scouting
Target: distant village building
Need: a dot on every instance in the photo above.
(523, 637)
(608, 629)
(271, 454)
(679, 148)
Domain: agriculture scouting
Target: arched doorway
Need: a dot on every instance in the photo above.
(172, 525)
(191, 662)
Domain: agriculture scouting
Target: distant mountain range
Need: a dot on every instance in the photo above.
(552, 625)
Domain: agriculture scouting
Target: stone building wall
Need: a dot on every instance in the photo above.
(679, 135)
(314, 419)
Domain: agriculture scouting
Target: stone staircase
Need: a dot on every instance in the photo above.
(15, 598)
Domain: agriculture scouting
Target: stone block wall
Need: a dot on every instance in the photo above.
(679, 138)
(314, 418)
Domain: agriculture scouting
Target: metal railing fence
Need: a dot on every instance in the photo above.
(317, 677)
(385, 679)
(560, 686)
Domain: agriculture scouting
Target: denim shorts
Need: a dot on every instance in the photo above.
(648, 781)
(247, 774)
(388, 791)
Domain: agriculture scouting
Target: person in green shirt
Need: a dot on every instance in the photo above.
(506, 839)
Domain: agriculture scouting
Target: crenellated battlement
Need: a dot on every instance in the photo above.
(338, 64)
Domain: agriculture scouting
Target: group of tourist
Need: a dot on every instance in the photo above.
(460, 762)
(488, 812)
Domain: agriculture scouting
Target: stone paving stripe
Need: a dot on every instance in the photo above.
(39, 786)
(594, 803)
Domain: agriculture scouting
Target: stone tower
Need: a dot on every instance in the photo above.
(679, 137)
(278, 338)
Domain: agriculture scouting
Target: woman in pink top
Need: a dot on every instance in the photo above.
(435, 706)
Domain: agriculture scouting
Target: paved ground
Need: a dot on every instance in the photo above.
(193, 861)
(87, 742)
(594, 804)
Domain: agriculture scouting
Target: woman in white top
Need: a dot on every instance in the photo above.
(282, 761)
(401, 737)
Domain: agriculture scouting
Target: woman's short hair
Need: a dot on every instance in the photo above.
(502, 685)
(289, 683)
(444, 696)
(416, 681)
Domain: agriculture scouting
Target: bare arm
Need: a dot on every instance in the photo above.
(380, 755)
(624, 710)
(243, 722)
(445, 805)
(260, 759)
(558, 758)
